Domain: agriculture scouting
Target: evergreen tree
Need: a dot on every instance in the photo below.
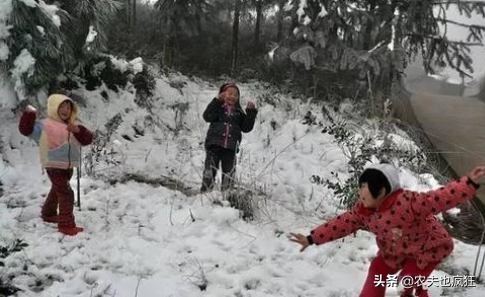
(46, 39)
(371, 40)
(180, 18)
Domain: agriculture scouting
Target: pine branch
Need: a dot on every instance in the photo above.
(458, 2)
(439, 38)
(460, 24)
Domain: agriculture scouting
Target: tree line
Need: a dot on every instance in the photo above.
(328, 49)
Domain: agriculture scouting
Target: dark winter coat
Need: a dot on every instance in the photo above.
(226, 124)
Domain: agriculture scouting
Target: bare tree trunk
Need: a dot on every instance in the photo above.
(368, 40)
(279, 34)
(170, 44)
(235, 35)
(259, 16)
(128, 13)
(198, 21)
(134, 15)
(129, 24)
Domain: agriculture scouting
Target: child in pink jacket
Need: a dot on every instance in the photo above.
(60, 139)
(408, 235)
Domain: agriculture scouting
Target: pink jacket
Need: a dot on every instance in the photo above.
(404, 225)
(59, 148)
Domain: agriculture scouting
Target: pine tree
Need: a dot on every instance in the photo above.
(86, 16)
(38, 49)
(180, 17)
(375, 38)
(49, 38)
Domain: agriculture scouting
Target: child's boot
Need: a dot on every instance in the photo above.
(407, 293)
(50, 219)
(71, 231)
(421, 293)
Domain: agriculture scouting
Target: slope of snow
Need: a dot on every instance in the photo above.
(143, 240)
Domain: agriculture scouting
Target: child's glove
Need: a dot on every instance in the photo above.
(250, 105)
(73, 128)
(30, 108)
(222, 97)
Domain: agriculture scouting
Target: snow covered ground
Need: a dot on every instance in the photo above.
(151, 241)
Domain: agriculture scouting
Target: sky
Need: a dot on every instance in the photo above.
(459, 33)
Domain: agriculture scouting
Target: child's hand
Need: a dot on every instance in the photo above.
(30, 108)
(476, 173)
(301, 239)
(250, 105)
(222, 97)
(73, 128)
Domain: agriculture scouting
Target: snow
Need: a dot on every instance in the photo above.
(120, 64)
(30, 3)
(23, 65)
(5, 10)
(271, 53)
(4, 30)
(4, 51)
(301, 9)
(323, 11)
(307, 20)
(137, 65)
(392, 45)
(8, 99)
(56, 20)
(91, 35)
(41, 30)
(51, 11)
(288, 6)
(154, 241)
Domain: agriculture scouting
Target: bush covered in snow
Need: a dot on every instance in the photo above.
(41, 40)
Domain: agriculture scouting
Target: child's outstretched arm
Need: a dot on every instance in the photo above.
(447, 197)
(213, 111)
(247, 123)
(341, 226)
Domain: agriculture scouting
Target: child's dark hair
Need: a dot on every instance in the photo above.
(69, 101)
(375, 180)
(230, 85)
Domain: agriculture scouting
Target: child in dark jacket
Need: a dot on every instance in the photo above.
(227, 121)
(60, 140)
(408, 235)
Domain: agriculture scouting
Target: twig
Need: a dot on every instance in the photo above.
(191, 215)
(244, 233)
(171, 210)
(138, 285)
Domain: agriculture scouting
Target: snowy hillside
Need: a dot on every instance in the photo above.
(154, 241)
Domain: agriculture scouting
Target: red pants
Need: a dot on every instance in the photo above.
(60, 195)
(380, 269)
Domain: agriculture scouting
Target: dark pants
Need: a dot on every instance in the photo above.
(214, 156)
(60, 195)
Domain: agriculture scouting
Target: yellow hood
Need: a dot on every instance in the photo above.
(53, 103)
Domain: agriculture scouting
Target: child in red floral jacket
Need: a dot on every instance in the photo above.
(408, 235)
(60, 140)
